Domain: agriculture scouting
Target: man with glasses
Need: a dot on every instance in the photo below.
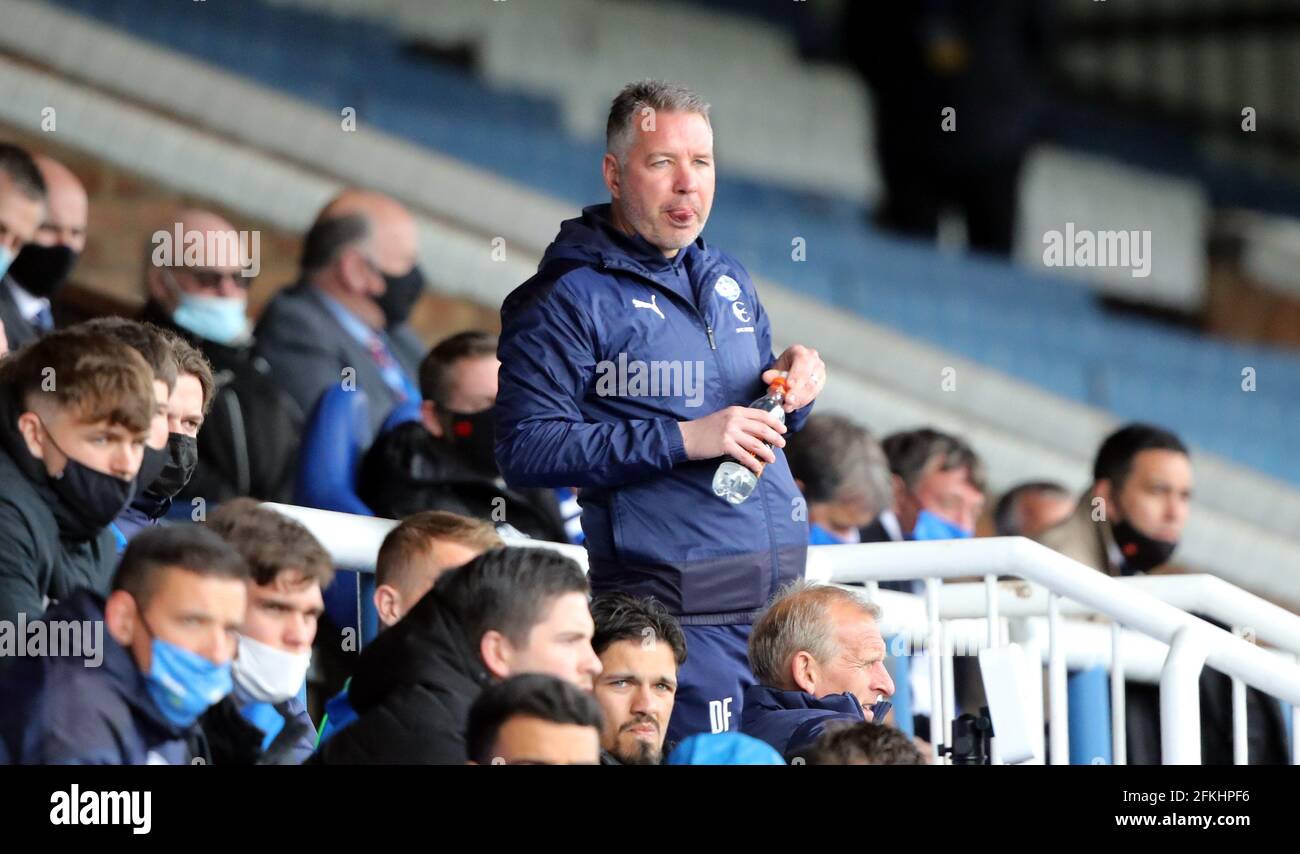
(343, 322)
(249, 445)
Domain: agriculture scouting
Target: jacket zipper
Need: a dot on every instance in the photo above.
(672, 294)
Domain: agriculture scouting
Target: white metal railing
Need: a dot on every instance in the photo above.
(1070, 585)
(1155, 609)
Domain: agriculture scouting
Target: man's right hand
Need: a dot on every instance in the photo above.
(738, 432)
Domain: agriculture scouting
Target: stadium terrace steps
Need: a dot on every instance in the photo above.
(1247, 523)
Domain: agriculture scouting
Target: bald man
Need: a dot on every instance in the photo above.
(208, 300)
(24, 314)
(343, 324)
(249, 442)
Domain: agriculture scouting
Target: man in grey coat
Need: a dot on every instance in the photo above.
(344, 321)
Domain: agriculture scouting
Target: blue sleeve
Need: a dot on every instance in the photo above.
(548, 359)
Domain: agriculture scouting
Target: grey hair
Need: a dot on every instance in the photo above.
(798, 620)
(633, 102)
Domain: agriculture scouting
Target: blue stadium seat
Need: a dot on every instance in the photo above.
(336, 436)
(402, 413)
(1043, 329)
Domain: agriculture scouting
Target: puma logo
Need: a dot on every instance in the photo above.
(636, 303)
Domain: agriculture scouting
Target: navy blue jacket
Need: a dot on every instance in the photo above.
(792, 721)
(58, 711)
(652, 523)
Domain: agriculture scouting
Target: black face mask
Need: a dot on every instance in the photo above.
(1141, 553)
(150, 467)
(96, 497)
(400, 295)
(474, 436)
(42, 270)
(180, 460)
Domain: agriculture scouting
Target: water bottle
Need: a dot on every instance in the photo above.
(733, 481)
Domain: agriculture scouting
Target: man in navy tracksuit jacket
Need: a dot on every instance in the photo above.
(623, 287)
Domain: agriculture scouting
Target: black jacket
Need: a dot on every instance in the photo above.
(249, 442)
(412, 691)
(46, 550)
(407, 470)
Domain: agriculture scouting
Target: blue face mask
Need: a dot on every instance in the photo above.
(931, 526)
(184, 684)
(6, 258)
(220, 319)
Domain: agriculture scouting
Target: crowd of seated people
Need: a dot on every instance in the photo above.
(136, 454)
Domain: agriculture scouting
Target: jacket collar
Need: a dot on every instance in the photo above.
(776, 700)
(118, 667)
(594, 238)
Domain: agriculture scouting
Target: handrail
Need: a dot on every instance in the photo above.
(1198, 594)
(1140, 604)
(1065, 577)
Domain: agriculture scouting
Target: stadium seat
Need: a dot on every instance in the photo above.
(402, 413)
(1036, 326)
(336, 436)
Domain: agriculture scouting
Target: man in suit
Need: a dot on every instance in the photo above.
(344, 320)
(43, 266)
(22, 210)
(1129, 522)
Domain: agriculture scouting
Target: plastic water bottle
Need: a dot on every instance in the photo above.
(733, 481)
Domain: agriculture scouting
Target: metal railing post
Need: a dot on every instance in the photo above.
(1180, 699)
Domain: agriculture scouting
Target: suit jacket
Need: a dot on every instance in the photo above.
(308, 349)
(1081, 538)
(18, 330)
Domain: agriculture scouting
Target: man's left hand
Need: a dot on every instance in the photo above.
(806, 375)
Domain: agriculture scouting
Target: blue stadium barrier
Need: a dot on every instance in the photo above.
(1088, 698)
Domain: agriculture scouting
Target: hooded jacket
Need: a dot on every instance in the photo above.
(412, 691)
(59, 711)
(602, 353)
(47, 551)
(792, 721)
